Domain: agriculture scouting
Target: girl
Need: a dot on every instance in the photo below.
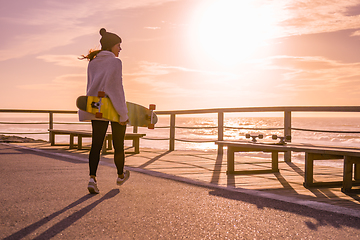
(105, 74)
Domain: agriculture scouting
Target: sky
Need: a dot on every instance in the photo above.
(184, 54)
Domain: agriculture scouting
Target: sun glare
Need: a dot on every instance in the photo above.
(231, 31)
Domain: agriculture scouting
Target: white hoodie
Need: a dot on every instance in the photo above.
(105, 74)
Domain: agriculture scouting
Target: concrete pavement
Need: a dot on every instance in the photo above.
(44, 196)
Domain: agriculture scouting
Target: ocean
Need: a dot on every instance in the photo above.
(203, 129)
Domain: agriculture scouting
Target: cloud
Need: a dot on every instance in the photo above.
(152, 68)
(315, 74)
(303, 63)
(153, 28)
(296, 17)
(175, 82)
(43, 41)
(355, 34)
(164, 78)
(64, 60)
(36, 26)
(67, 82)
(306, 17)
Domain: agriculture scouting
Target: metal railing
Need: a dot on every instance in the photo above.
(221, 111)
(287, 112)
(50, 112)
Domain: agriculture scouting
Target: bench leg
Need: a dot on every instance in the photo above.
(71, 141)
(52, 139)
(309, 170)
(230, 160)
(104, 148)
(275, 161)
(109, 146)
(347, 174)
(136, 144)
(357, 172)
(79, 142)
(287, 156)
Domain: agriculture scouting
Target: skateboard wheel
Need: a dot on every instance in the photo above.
(98, 115)
(151, 126)
(101, 94)
(152, 106)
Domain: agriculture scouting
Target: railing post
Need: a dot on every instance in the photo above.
(287, 132)
(135, 129)
(172, 132)
(220, 131)
(51, 123)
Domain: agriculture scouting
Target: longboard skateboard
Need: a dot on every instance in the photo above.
(102, 107)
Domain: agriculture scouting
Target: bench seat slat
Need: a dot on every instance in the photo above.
(135, 137)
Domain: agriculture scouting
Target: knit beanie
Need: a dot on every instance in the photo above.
(108, 39)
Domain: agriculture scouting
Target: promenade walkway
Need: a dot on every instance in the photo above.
(44, 195)
(209, 168)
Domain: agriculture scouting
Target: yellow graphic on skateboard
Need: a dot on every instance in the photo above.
(102, 107)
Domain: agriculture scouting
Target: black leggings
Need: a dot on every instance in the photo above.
(99, 129)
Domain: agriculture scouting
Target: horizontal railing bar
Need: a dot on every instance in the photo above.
(37, 111)
(243, 128)
(73, 123)
(194, 141)
(159, 139)
(217, 110)
(267, 109)
(20, 123)
(32, 123)
(195, 127)
(325, 131)
(240, 128)
(25, 133)
(180, 140)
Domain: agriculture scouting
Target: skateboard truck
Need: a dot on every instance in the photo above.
(152, 107)
(97, 105)
(283, 140)
(260, 136)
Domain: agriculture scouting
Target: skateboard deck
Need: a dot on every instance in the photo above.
(102, 107)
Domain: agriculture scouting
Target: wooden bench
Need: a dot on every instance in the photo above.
(135, 137)
(350, 157)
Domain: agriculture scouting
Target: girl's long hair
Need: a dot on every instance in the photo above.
(91, 55)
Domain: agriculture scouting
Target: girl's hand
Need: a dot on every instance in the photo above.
(124, 123)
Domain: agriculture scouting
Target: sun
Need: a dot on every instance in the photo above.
(231, 31)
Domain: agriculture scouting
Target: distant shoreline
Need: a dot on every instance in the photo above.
(17, 139)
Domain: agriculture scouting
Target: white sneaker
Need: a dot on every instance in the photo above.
(92, 186)
(120, 181)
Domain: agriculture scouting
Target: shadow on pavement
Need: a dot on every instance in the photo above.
(47, 153)
(65, 223)
(217, 167)
(322, 217)
(154, 159)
